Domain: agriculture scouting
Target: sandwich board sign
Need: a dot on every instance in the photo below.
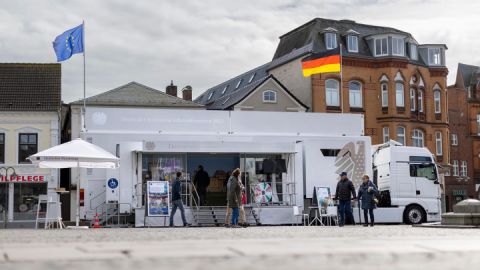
(323, 197)
(158, 198)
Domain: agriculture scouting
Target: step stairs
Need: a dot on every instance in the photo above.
(215, 215)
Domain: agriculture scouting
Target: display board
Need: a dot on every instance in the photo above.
(324, 197)
(158, 198)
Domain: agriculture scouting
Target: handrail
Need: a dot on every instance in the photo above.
(106, 216)
(96, 196)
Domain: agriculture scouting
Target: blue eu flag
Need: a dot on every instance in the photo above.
(69, 43)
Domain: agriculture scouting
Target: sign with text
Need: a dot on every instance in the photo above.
(324, 197)
(158, 199)
(23, 178)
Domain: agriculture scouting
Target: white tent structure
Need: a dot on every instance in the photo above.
(75, 154)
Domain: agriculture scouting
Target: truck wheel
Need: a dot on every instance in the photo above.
(414, 215)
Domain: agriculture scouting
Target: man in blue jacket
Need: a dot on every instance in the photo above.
(177, 200)
(345, 191)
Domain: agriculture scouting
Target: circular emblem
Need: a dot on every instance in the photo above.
(99, 118)
(112, 183)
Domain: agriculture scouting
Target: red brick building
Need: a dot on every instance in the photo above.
(463, 181)
(397, 83)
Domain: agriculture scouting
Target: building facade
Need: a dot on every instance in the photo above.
(463, 180)
(29, 123)
(397, 83)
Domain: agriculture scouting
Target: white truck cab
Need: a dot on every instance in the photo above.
(408, 182)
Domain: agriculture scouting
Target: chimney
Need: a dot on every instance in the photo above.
(187, 93)
(171, 89)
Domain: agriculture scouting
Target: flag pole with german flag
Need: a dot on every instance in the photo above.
(325, 62)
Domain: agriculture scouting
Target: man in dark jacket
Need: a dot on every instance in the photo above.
(177, 200)
(345, 191)
(202, 181)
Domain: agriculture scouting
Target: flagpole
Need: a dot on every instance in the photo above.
(84, 88)
(341, 77)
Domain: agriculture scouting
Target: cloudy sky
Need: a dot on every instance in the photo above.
(203, 43)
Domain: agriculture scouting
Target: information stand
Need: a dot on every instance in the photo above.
(323, 198)
(158, 200)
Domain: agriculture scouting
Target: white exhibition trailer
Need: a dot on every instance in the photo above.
(155, 143)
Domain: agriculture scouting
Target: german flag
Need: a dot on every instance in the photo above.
(324, 62)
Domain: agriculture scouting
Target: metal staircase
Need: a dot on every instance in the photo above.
(215, 215)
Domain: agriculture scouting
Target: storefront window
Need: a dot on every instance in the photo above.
(25, 200)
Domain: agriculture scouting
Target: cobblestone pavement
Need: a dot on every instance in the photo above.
(293, 248)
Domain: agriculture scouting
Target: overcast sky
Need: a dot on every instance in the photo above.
(203, 43)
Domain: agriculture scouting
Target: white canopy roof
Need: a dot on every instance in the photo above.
(76, 153)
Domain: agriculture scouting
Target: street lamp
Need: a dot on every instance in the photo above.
(2, 175)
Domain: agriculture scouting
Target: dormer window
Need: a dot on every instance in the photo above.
(434, 56)
(381, 46)
(413, 52)
(352, 43)
(330, 41)
(225, 89)
(238, 84)
(398, 46)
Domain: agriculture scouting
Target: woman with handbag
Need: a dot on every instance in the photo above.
(366, 195)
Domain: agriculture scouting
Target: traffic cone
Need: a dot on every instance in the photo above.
(96, 225)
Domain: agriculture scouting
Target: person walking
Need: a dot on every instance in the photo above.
(228, 215)
(366, 195)
(235, 197)
(177, 200)
(202, 181)
(344, 192)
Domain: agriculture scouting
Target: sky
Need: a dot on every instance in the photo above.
(203, 43)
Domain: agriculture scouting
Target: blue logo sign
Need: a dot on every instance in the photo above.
(112, 183)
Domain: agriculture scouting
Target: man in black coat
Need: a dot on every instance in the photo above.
(344, 192)
(202, 181)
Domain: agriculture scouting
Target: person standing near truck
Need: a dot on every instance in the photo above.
(344, 192)
(366, 195)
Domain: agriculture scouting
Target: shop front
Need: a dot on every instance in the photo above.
(19, 198)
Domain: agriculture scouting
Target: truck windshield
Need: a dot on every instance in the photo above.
(427, 170)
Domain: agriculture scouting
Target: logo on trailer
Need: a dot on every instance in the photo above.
(351, 159)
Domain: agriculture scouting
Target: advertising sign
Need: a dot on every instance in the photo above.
(324, 197)
(158, 199)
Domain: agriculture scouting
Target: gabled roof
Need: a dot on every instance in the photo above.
(469, 74)
(211, 95)
(138, 95)
(30, 87)
(228, 101)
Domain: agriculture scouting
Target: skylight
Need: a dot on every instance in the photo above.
(211, 94)
(238, 84)
(225, 89)
(251, 78)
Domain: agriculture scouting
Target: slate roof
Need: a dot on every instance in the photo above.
(30, 87)
(136, 94)
(245, 87)
(469, 74)
(311, 33)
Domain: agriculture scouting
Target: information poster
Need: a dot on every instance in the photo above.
(324, 197)
(158, 200)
